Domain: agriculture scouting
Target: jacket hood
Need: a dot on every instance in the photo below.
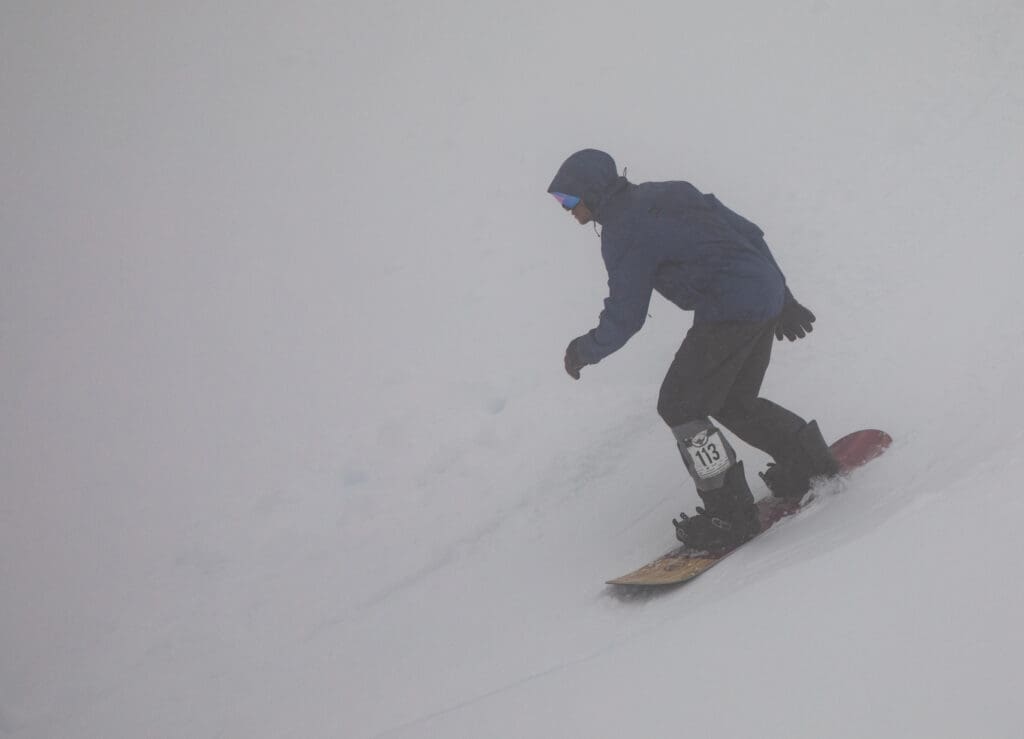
(590, 175)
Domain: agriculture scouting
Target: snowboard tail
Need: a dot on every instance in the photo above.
(681, 564)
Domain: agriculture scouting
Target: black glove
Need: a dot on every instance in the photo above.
(573, 362)
(794, 321)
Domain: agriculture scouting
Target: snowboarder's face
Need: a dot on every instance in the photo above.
(582, 213)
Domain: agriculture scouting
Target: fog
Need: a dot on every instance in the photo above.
(286, 445)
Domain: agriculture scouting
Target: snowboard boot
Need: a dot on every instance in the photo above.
(728, 518)
(806, 456)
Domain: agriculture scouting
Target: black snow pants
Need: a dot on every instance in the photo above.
(718, 372)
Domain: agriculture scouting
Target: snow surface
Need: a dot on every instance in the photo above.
(286, 446)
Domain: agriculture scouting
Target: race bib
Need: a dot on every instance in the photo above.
(708, 452)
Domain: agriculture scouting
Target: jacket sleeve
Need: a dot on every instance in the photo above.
(630, 282)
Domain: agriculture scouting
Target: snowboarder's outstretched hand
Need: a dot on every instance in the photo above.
(573, 362)
(794, 321)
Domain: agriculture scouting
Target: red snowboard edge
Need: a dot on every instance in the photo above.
(859, 448)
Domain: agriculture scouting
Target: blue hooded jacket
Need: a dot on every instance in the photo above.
(669, 237)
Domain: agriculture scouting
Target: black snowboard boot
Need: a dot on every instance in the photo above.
(728, 518)
(805, 457)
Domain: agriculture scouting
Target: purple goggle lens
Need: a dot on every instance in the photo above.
(568, 201)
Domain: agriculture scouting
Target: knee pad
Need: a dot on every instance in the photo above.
(706, 453)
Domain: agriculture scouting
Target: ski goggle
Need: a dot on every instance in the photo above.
(568, 201)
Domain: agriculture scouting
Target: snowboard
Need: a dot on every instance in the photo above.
(681, 564)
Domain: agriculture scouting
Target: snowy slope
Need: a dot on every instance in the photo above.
(287, 448)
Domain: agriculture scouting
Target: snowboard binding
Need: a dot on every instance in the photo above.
(806, 456)
(727, 519)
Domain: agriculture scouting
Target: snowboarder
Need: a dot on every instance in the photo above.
(701, 256)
